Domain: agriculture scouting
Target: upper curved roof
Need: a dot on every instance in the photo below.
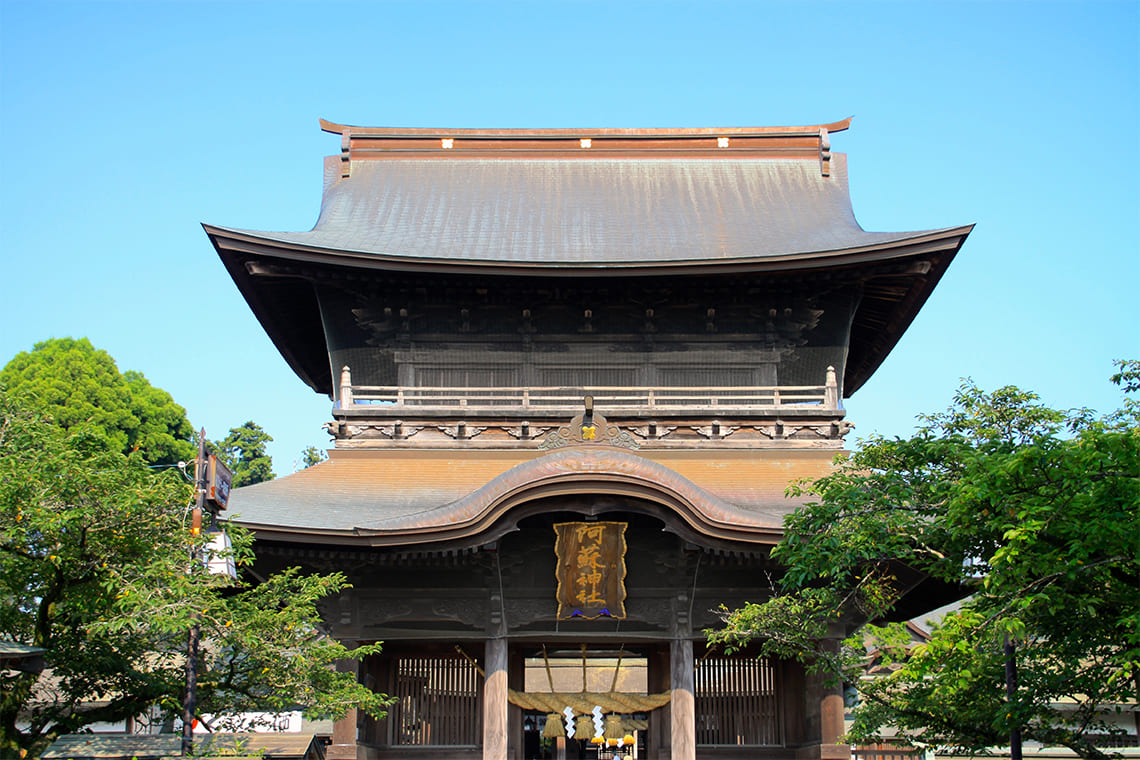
(608, 212)
(579, 203)
(569, 199)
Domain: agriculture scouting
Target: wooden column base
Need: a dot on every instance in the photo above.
(344, 752)
(824, 752)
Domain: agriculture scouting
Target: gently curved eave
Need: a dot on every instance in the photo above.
(490, 511)
(288, 247)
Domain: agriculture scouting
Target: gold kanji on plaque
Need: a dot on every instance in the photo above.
(590, 569)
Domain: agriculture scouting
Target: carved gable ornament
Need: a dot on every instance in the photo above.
(589, 427)
(590, 569)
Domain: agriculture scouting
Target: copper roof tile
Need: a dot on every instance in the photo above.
(408, 493)
(587, 213)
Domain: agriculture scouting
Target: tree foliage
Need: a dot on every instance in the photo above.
(1034, 512)
(243, 452)
(95, 568)
(311, 456)
(80, 386)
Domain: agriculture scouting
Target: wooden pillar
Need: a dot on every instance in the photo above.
(831, 714)
(346, 730)
(657, 738)
(682, 702)
(516, 679)
(495, 721)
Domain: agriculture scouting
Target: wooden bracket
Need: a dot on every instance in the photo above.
(824, 152)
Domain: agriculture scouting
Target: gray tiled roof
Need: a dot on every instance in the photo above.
(12, 649)
(588, 212)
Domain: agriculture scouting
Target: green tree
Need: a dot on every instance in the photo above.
(312, 456)
(1033, 512)
(78, 385)
(243, 452)
(94, 551)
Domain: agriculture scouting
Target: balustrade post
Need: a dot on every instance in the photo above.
(345, 387)
(831, 390)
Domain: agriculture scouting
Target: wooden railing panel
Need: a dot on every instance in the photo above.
(640, 398)
(736, 702)
(437, 702)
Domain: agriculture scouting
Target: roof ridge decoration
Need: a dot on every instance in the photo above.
(811, 142)
(589, 427)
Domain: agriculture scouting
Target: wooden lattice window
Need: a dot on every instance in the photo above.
(437, 702)
(736, 702)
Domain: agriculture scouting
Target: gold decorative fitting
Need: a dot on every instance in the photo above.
(586, 142)
(722, 142)
(589, 427)
(447, 143)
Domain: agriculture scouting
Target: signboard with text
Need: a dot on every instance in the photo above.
(590, 569)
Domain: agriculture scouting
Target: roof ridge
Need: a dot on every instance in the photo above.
(578, 132)
(811, 142)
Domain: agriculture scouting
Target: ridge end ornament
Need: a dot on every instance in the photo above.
(588, 427)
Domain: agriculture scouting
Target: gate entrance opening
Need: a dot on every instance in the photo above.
(609, 683)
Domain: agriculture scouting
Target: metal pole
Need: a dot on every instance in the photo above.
(189, 703)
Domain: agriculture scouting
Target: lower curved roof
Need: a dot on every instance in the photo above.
(378, 498)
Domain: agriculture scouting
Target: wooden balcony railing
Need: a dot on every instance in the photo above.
(611, 398)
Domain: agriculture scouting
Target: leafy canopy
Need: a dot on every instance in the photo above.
(94, 558)
(80, 386)
(1033, 512)
(311, 456)
(243, 452)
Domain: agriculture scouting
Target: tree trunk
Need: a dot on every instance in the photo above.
(1011, 698)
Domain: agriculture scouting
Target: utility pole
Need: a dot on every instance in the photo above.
(190, 701)
(212, 481)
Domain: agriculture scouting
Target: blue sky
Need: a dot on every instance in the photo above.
(125, 125)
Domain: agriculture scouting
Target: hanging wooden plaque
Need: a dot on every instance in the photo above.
(590, 569)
